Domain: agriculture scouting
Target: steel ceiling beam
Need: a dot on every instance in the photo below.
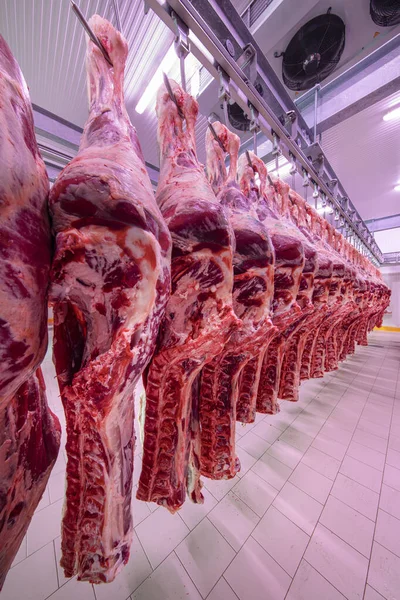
(384, 223)
(211, 24)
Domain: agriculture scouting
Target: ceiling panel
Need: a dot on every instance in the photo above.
(364, 150)
(49, 44)
(389, 240)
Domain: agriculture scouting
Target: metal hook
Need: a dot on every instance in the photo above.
(249, 159)
(172, 95)
(182, 46)
(221, 145)
(254, 127)
(90, 33)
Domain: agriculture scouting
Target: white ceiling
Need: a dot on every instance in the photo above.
(49, 44)
(365, 153)
(388, 240)
(362, 35)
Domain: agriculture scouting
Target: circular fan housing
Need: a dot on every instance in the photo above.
(385, 13)
(237, 117)
(313, 52)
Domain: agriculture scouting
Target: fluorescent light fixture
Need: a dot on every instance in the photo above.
(397, 188)
(193, 38)
(282, 170)
(393, 114)
(165, 66)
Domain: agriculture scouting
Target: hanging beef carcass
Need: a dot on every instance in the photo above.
(260, 377)
(253, 286)
(199, 318)
(284, 375)
(340, 301)
(277, 194)
(345, 305)
(110, 285)
(29, 432)
(291, 362)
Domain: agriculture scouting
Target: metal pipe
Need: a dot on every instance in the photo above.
(315, 110)
(182, 67)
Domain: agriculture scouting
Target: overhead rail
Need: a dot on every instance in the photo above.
(232, 57)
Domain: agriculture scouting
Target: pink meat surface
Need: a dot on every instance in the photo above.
(110, 285)
(253, 287)
(29, 432)
(199, 317)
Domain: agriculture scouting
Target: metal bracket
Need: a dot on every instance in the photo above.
(182, 44)
(333, 186)
(290, 122)
(315, 155)
(254, 126)
(247, 61)
(224, 94)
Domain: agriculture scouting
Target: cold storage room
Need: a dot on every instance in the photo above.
(200, 300)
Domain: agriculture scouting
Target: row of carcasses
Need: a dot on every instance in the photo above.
(301, 294)
(224, 294)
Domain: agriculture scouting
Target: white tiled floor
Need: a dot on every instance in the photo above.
(313, 515)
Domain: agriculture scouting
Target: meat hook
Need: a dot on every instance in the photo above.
(220, 143)
(249, 159)
(172, 95)
(89, 31)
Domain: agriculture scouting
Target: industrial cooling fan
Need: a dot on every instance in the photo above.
(313, 52)
(385, 13)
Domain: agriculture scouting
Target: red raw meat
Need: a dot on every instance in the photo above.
(110, 285)
(291, 362)
(261, 375)
(29, 432)
(199, 317)
(253, 269)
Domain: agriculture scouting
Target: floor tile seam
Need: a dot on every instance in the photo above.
(34, 552)
(397, 554)
(346, 541)
(365, 446)
(387, 512)
(241, 547)
(392, 466)
(227, 583)
(148, 560)
(312, 468)
(248, 506)
(270, 555)
(352, 507)
(323, 577)
(298, 526)
(318, 521)
(322, 475)
(55, 559)
(377, 510)
(379, 436)
(207, 479)
(187, 572)
(373, 422)
(315, 436)
(366, 464)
